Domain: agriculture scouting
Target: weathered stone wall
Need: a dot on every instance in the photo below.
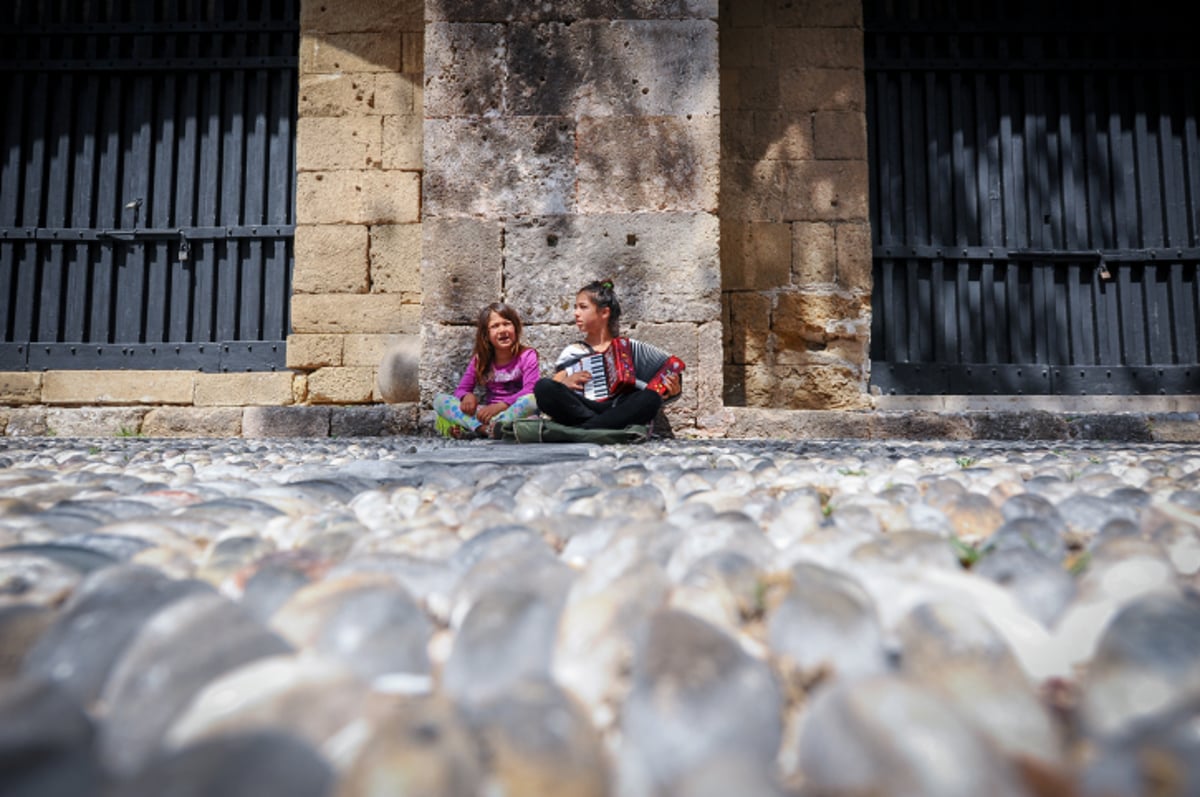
(566, 142)
(795, 238)
(451, 152)
(356, 283)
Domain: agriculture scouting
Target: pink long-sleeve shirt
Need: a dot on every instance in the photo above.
(508, 383)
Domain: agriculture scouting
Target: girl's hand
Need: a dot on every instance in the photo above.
(674, 385)
(469, 403)
(577, 380)
(490, 411)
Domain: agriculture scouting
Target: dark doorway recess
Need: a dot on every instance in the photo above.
(147, 186)
(1035, 197)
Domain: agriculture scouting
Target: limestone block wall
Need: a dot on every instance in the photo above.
(566, 142)
(711, 159)
(795, 236)
(356, 281)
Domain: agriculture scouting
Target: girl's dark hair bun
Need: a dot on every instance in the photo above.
(606, 284)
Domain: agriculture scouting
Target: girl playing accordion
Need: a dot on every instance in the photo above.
(638, 379)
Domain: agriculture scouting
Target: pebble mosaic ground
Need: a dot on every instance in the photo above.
(419, 616)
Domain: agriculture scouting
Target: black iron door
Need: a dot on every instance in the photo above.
(1035, 197)
(147, 183)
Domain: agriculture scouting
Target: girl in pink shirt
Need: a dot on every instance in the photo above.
(503, 366)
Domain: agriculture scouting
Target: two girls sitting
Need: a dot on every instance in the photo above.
(508, 372)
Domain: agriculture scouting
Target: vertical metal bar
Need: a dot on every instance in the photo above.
(78, 308)
(973, 350)
(252, 291)
(962, 158)
(991, 219)
(229, 274)
(1124, 198)
(187, 131)
(12, 168)
(1050, 160)
(921, 348)
(959, 322)
(34, 141)
(916, 208)
(1171, 165)
(933, 166)
(1108, 330)
(1010, 168)
(1191, 159)
(205, 269)
(1074, 205)
(929, 334)
(905, 314)
(887, 316)
(1148, 196)
(204, 305)
(34, 144)
(1076, 318)
(1039, 317)
(1034, 152)
(280, 202)
(257, 110)
(26, 261)
(987, 313)
(891, 175)
(60, 96)
(1000, 329)
(1018, 307)
(7, 284)
(1061, 320)
(12, 173)
(132, 302)
(164, 265)
(948, 318)
(108, 211)
(1131, 323)
(1159, 337)
(277, 289)
(1184, 315)
(1099, 168)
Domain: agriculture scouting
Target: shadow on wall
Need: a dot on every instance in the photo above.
(770, 181)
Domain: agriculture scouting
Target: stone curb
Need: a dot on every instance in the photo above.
(383, 420)
(976, 425)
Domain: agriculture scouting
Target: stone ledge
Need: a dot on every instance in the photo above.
(1014, 424)
(386, 420)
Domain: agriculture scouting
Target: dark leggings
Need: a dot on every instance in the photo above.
(568, 407)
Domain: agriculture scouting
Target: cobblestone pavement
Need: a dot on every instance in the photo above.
(377, 615)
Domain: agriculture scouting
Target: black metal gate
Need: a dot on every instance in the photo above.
(147, 186)
(1035, 197)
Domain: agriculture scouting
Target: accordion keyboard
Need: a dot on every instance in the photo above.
(595, 388)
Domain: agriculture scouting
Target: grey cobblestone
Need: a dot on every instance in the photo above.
(776, 615)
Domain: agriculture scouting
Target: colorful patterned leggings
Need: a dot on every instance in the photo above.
(448, 407)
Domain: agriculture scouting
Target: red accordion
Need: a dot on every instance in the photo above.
(673, 365)
(612, 371)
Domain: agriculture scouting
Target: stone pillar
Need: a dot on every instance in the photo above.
(566, 142)
(795, 235)
(356, 283)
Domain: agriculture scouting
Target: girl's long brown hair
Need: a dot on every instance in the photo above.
(484, 354)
